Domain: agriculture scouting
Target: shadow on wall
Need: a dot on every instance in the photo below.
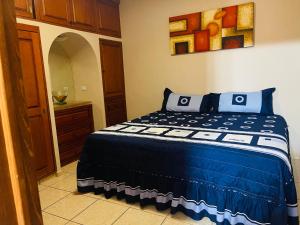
(73, 67)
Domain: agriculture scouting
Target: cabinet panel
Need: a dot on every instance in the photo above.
(109, 18)
(115, 109)
(30, 76)
(53, 11)
(38, 135)
(24, 8)
(99, 16)
(83, 14)
(112, 67)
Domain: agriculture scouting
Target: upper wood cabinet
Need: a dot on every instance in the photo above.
(109, 18)
(83, 14)
(24, 8)
(98, 16)
(53, 11)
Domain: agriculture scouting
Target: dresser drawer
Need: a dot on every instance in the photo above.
(71, 119)
(69, 152)
(73, 125)
(74, 135)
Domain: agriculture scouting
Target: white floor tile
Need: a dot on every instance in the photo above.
(48, 196)
(41, 187)
(70, 168)
(69, 183)
(53, 220)
(70, 206)
(171, 221)
(72, 223)
(139, 217)
(100, 213)
(48, 181)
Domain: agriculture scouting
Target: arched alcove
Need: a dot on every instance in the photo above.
(73, 66)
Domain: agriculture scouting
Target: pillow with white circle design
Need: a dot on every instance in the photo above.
(185, 103)
(244, 102)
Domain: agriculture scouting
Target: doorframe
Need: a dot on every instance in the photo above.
(21, 203)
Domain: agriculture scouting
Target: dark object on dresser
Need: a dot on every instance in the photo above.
(73, 125)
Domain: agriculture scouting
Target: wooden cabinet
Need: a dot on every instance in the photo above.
(73, 125)
(109, 18)
(36, 99)
(53, 11)
(113, 81)
(24, 8)
(83, 14)
(98, 16)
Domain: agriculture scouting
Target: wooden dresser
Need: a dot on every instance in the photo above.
(74, 122)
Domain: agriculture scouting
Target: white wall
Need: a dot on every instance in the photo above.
(61, 72)
(75, 65)
(274, 61)
(48, 34)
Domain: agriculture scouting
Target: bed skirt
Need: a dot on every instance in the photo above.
(195, 198)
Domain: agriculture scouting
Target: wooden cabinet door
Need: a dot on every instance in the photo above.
(24, 8)
(83, 14)
(53, 11)
(113, 81)
(36, 99)
(109, 18)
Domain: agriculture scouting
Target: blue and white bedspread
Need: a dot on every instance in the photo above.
(232, 168)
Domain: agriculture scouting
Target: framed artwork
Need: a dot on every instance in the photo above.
(211, 30)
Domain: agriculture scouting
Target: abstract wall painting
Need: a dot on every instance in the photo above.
(223, 28)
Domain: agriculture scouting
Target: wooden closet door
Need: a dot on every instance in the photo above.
(36, 99)
(113, 81)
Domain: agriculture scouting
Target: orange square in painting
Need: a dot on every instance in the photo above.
(193, 23)
(230, 18)
(202, 41)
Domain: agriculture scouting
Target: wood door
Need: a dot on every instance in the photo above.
(83, 14)
(109, 18)
(113, 81)
(18, 186)
(24, 8)
(53, 11)
(36, 99)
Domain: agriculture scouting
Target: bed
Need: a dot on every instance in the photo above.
(233, 168)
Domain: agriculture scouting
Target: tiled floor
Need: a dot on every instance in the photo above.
(62, 204)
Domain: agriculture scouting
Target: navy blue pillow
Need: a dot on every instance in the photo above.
(244, 102)
(185, 103)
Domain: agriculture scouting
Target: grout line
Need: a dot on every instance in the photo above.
(73, 222)
(164, 220)
(121, 215)
(83, 210)
(41, 182)
(55, 202)
(61, 189)
(56, 216)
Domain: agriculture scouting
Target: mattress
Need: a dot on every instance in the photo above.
(232, 168)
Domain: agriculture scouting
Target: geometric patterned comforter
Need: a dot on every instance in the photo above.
(232, 168)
